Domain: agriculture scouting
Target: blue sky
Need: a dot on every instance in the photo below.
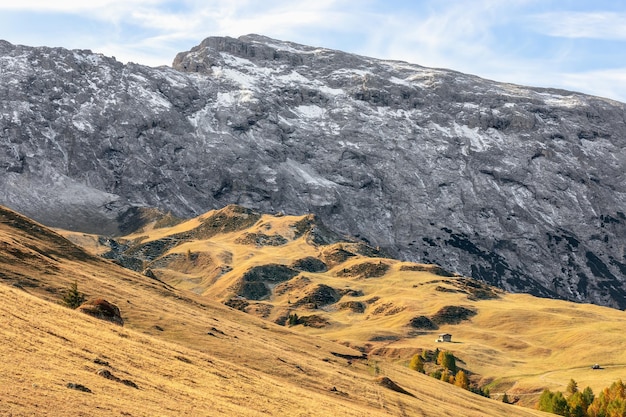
(571, 44)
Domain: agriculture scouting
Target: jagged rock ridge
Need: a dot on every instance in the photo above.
(521, 187)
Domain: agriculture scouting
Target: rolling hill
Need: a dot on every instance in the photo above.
(340, 289)
(177, 353)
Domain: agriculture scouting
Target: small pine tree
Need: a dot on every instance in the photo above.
(445, 376)
(572, 387)
(73, 298)
(417, 364)
(505, 399)
(293, 320)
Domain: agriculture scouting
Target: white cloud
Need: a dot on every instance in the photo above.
(429, 32)
(591, 25)
(71, 5)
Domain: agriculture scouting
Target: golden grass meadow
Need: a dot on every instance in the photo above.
(186, 353)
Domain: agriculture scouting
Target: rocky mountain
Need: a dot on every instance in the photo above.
(524, 188)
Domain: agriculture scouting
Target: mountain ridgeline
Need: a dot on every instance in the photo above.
(524, 188)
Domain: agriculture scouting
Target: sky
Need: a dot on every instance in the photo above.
(576, 45)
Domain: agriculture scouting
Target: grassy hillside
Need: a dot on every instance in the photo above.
(276, 266)
(178, 353)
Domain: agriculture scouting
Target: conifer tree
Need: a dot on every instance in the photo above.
(505, 399)
(588, 396)
(73, 298)
(553, 402)
(461, 380)
(610, 402)
(435, 374)
(447, 360)
(445, 376)
(293, 320)
(572, 387)
(576, 404)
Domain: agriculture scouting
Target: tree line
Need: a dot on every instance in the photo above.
(611, 402)
(442, 365)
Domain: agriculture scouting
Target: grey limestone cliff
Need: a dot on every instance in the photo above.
(524, 188)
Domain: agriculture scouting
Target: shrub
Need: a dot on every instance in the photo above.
(73, 298)
(417, 364)
(435, 374)
(481, 391)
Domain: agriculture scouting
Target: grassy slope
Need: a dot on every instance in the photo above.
(245, 366)
(518, 343)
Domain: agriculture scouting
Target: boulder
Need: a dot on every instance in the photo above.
(103, 310)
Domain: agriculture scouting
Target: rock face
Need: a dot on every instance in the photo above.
(524, 188)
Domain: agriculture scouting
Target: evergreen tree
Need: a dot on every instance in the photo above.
(576, 404)
(447, 360)
(588, 396)
(461, 380)
(572, 387)
(505, 399)
(553, 402)
(560, 404)
(73, 298)
(446, 376)
(293, 320)
(417, 364)
(435, 374)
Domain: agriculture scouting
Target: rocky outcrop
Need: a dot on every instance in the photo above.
(523, 188)
(103, 310)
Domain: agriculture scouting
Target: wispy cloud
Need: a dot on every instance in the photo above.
(591, 25)
(72, 5)
(513, 40)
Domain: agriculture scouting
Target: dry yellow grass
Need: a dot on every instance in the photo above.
(187, 355)
(517, 343)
